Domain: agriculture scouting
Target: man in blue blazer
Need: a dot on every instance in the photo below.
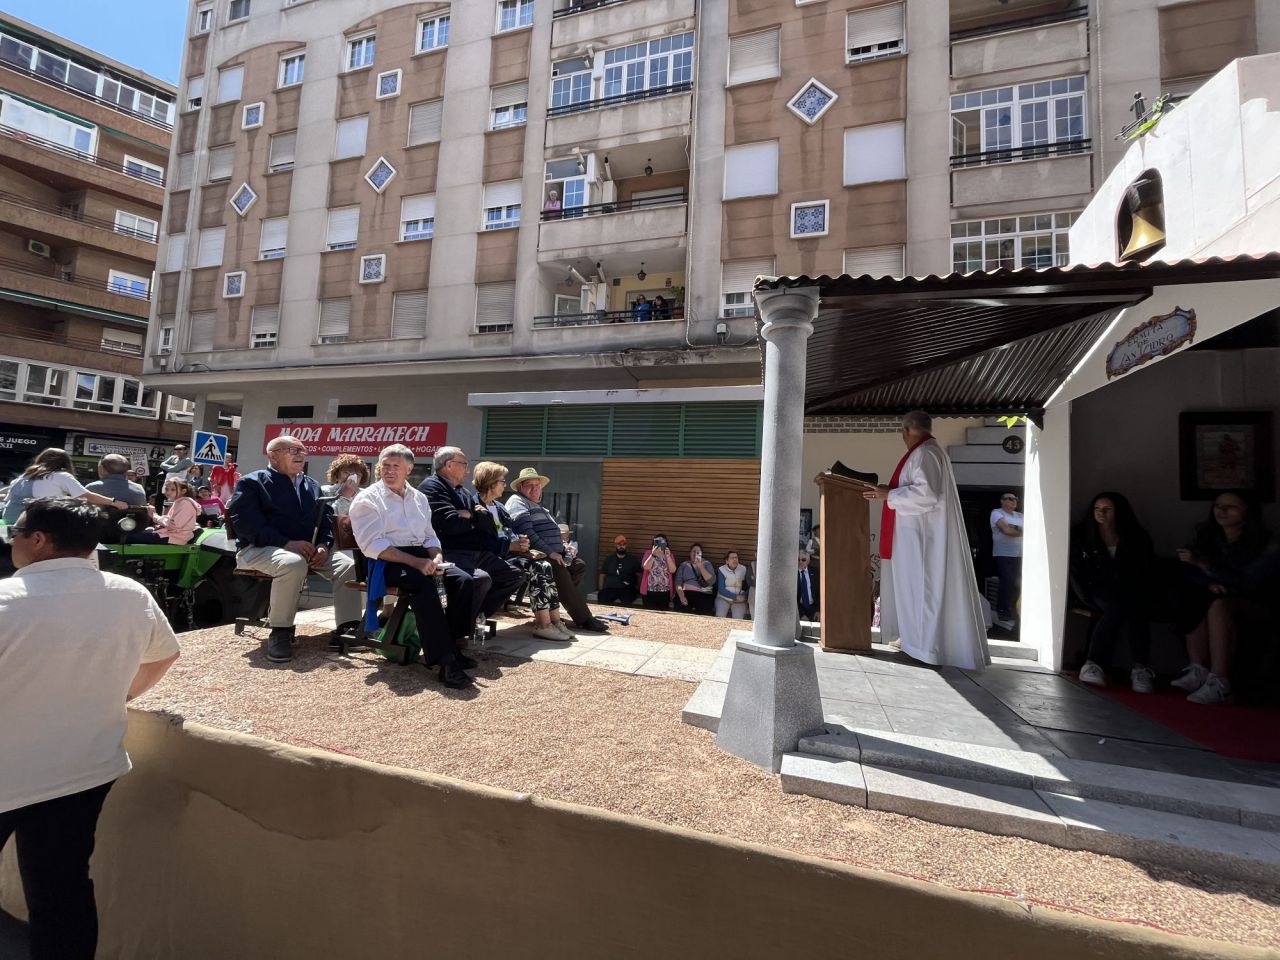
(275, 513)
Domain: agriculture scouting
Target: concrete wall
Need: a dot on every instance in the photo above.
(223, 845)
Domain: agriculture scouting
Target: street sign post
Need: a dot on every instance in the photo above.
(208, 448)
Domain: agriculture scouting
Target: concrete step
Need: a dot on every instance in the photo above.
(1012, 649)
(1061, 820)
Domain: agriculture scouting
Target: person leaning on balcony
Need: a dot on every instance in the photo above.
(661, 308)
(114, 482)
(641, 310)
(50, 476)
(552, 207)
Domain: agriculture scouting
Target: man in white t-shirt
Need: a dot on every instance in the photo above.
(75, 644)
(1006, 548)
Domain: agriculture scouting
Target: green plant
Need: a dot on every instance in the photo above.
(1011, 422)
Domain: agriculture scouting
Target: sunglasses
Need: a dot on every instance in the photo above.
(17, 529)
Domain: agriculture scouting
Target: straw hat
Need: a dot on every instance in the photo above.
(529, 473)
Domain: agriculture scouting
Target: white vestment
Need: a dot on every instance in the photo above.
(928, 594)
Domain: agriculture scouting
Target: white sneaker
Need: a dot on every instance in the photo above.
(1142, 679)
(565, 632)
(1092, 674)
(1214, 691)
(549, 632)
(1193, 678)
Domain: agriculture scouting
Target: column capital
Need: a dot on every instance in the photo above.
(787, 308)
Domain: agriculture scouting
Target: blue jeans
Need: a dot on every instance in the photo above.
(1009, 570)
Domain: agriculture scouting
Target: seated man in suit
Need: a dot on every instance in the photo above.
(807, 589)
(455, 514)
(283, 531)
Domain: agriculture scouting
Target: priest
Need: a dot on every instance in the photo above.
(928, 594)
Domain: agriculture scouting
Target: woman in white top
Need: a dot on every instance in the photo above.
(50, 476)
(731, 588)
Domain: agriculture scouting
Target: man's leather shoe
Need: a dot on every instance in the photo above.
(595, 625)
(280, 645)
(466, 663)
(451, 676)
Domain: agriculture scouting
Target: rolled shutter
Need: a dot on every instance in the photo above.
(424, 122)
(495, 306)
(209, 251)
(202, 330)
(870, 28)
(352, 134)
(335, 317)
(875, 261)
(510, 95)
(265, 320)
(186, 171)
(195, 88)
(275, 234)
(753, 57)
(230, 83)
(506, 194)
(751, 170)
(222, 161)
(418, 208)
(283, 147)
(409, 314)
(175, 251)
(344, 225)
(739, 276)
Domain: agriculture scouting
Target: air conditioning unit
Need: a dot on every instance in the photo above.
(39, 249)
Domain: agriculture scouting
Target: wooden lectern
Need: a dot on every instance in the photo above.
(845, 595)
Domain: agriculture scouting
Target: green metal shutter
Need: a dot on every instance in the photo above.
(513, 432)
(574, 431)
(721, 430)
(646, 430)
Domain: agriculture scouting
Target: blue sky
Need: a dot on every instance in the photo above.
(148, 36)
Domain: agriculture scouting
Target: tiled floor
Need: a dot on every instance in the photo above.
(643, 658)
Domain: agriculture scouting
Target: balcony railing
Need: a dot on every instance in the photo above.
(582, 6)
(617, 100)
(110, 105)
(60, 274)
(15, 134)
(1010, 154)
(68, 214)
(618, 206)
(675, 311)
(77, 343)
(1048, 19)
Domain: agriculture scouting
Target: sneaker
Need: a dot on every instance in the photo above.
(1214, 691)
(565, 632)
(550, 632)
(1092, 674)
(1193, 678)
(1142, 679)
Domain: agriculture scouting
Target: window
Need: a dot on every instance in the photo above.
(571, 184)
(1027, 121)
(380, 174)
(389, 84)
(495, 307)
(239, 11)
(570, 84)
(122, 341)
(810, 219)
(233, 285)
(433, 34)
(222, 162)
(335, 320)
(165, 343)
(143, 170)
(754, 57)
(243, 199)
(132, 225)
(874, 33)
(273, 239)
(373, 269)
(509, 105)
(9, 370)
(230, 84)
(409, 315)
(876, 261)
(195, 93)
(209, 249)
(751, 170)
(201, 337)
(875, 153)
(204, 18)
(502, 205)
(737, 277)
(360, 52)
(1038, 240)
(129, 285)
(292, 68)
(94, 391)
(264, 327)
(352, 133)
(175, 252)
(513, 14)
(418, 217)
(45, 385)
(251, 116)
(655, 65)
(424, 122)
(280, 156)
(344, 227)
(56, 128)
(137, 400)
(186, 171)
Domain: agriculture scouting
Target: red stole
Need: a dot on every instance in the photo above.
(887, 516)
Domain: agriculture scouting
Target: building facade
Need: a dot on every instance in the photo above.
(84, 147)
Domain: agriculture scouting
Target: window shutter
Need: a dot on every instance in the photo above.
(344, 225)
(265, 320)
(495, 304)
(869, 28)
(409, 314)
(418, 208)
(875, 153)
(729, 429)
(202, 330)
(230, 83)
(352, 134)
(195, 88)
(505, 194)
(175, 251)
(186, 171)
(513, 432)
(739, 276)
(577, 431)
(875, 261)
(510, 95)
(751, 170)
(753, 57)
(209, 252)
(275, 233)
(222, 161)
(283, 147)
(335, 317)
(646, 430)
(424, 122)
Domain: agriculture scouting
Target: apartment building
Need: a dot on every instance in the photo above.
(84, 146)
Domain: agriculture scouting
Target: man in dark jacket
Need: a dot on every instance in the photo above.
(807, 589)
(283, 532)
(455, 515)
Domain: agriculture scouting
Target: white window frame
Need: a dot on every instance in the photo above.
(894, 47)
(888, 152)
(426, 228)
(422, 105)
(331, 244)
(514, 115)
(1013, 99)
(739, 303)
(151, 235)
(373, 268)
(659, 59)
(227, 281)
(730, 191)
(128, 342)
(757, 72)
(380, 94)
(190, 102)
(164, 342)
(368, 177)
(212, 317)
(66, 374)
(217, 93)
(337, 137)
(577, 87)
(272, 253)
(274, 167)
(333, 338)
(399, 297)
(521, 15)
(436, 21)
(832, 97)
(231, 8)
(123, 283)
(826, 219)
(253, 198)
(282, 80)
(365, 47)
(99, 380)
(245, 122)
(148, 175)
(1015, 231)
(261, 339)
(204, 19)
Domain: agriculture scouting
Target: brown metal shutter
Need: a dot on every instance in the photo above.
(1197, 39)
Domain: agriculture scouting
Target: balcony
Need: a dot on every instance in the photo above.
(621, 227)
(627, 118)
(1055, 172)
(55, 281)
(1047, 45)
(68, 169)
(58, 225)
(575, 24)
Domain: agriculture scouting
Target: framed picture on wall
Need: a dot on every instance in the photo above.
(1226, 450)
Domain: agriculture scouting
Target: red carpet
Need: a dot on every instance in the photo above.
(1245, 733)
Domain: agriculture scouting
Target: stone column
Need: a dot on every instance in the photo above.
(773, 699)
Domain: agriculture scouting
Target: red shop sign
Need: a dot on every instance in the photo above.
(362, 439)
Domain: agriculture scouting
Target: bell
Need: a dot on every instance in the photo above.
(1146, 211)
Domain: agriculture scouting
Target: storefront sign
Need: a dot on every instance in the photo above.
(136, 452)
(26, 444)
(1158, 337)
(361, 439)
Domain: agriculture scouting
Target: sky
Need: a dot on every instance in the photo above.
(149, 36)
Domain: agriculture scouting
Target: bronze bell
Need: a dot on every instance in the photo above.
(1145, 203)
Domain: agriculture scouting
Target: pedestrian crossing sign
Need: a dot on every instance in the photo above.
(208, 448)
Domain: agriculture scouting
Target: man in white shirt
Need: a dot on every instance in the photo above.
(391, 522)
(1006, 549)
(75, 644)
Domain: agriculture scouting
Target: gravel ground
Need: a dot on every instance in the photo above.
(616, 742)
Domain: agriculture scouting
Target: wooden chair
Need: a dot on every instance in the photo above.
(243, 622)
(344, 539)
